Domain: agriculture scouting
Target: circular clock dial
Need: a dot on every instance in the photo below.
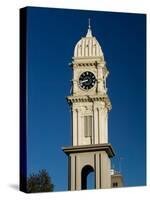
(87, 80)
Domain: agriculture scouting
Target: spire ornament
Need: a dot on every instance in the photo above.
(89, 23)
(89, 32)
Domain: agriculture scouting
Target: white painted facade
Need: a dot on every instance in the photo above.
(89, 109)
(88, 56)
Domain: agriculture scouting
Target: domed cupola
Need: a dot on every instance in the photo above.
(88, 46)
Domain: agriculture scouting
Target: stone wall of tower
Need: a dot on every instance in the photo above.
(98, 160)
(97, 67)
(89, 107)
(99, 114)
(98, 110)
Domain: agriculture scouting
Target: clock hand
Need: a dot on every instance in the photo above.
(84, 81)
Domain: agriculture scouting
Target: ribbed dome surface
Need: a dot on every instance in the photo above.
(88, 47)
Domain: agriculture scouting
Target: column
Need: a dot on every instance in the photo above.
(73, 173)
(74, 124)
(79, 126)
(100, 79)
(105, 171)
(95, 126)
(101, 125)
(106, 126)
(78, 173)
(97, 161)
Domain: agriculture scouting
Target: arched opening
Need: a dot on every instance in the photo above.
(87, 178)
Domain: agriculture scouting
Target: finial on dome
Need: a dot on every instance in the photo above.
(89, 23)
(89, 32)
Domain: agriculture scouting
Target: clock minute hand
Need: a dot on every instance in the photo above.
(84, 81)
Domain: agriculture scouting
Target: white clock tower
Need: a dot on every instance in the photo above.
(90, 104)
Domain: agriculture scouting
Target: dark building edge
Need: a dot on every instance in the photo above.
(23, 111)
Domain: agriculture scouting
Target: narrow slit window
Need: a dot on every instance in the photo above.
(88, 126)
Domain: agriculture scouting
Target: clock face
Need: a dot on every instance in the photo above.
(87, 80)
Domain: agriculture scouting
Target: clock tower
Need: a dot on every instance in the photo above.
(90, 104)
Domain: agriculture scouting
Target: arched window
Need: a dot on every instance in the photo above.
(87, 178)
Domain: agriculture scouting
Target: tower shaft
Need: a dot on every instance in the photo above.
(90, 104)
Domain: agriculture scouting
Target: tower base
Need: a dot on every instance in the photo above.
(87, 158)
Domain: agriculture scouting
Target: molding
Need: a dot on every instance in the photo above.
(90, 148)
(90, 98)
(98, 59)
(88, 62)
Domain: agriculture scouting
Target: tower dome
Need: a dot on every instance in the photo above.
(88, 46)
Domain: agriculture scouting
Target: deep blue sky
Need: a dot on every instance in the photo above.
(51, 37)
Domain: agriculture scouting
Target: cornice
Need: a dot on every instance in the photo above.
(90, 148)
(88, 62)
(90, 98)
